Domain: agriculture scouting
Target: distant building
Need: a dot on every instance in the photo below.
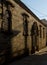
(45, 22)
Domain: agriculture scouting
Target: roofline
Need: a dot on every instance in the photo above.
(21, 4)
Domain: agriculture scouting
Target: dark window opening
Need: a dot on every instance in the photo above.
(43, 32)
(40, 31)
(25, 24)
(6, 24)
(34, 29)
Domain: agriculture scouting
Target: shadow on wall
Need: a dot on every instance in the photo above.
(6, 34)
(6, 46)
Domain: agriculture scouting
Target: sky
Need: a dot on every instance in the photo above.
(38, 7)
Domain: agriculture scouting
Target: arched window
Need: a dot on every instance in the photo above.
(25, 24)
(43, 32)
(6, 24)
(40, 31)
(34, 29)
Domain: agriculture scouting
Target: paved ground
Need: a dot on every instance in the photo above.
(39, 58)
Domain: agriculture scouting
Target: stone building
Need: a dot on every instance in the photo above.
(28, 33)
(44, 21)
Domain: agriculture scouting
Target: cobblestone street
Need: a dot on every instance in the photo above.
(39, 58)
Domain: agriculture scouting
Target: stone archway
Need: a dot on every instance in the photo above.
(34, 37)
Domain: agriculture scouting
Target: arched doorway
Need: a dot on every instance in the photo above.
(34, 37)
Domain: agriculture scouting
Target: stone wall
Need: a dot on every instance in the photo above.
(17, 38)
(17, 24)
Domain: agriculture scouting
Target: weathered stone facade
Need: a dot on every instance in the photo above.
(17, 41)
(17, 24)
